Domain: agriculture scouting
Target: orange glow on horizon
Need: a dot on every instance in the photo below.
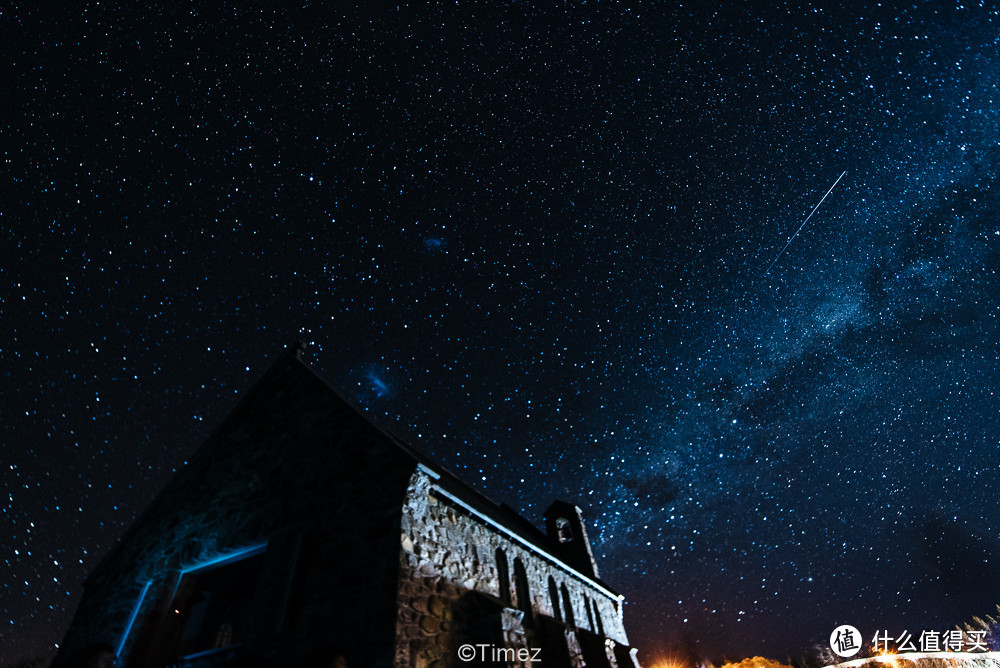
(666, 658)
(886, 656)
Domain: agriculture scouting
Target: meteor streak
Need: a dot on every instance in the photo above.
(805, 221)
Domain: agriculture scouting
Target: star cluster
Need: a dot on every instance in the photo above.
(532, 241)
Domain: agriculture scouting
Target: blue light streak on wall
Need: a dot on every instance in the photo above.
(201, 565)
(131, 620)
(225, 558)
(218, 560)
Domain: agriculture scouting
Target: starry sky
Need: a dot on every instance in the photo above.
(533, 241)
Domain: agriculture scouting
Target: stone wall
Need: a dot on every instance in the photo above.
(450, 576)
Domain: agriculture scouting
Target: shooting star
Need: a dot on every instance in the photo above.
(805, 221)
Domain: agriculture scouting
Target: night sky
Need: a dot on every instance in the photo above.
(533, 242)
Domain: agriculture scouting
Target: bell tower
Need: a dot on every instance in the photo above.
(564, 526)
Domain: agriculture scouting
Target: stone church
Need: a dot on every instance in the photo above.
(300, 534)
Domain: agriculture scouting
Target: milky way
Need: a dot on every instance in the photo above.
(532, 242)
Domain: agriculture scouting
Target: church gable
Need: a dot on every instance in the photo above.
(295, 483)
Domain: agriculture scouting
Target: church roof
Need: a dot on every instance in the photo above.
(290, 374)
